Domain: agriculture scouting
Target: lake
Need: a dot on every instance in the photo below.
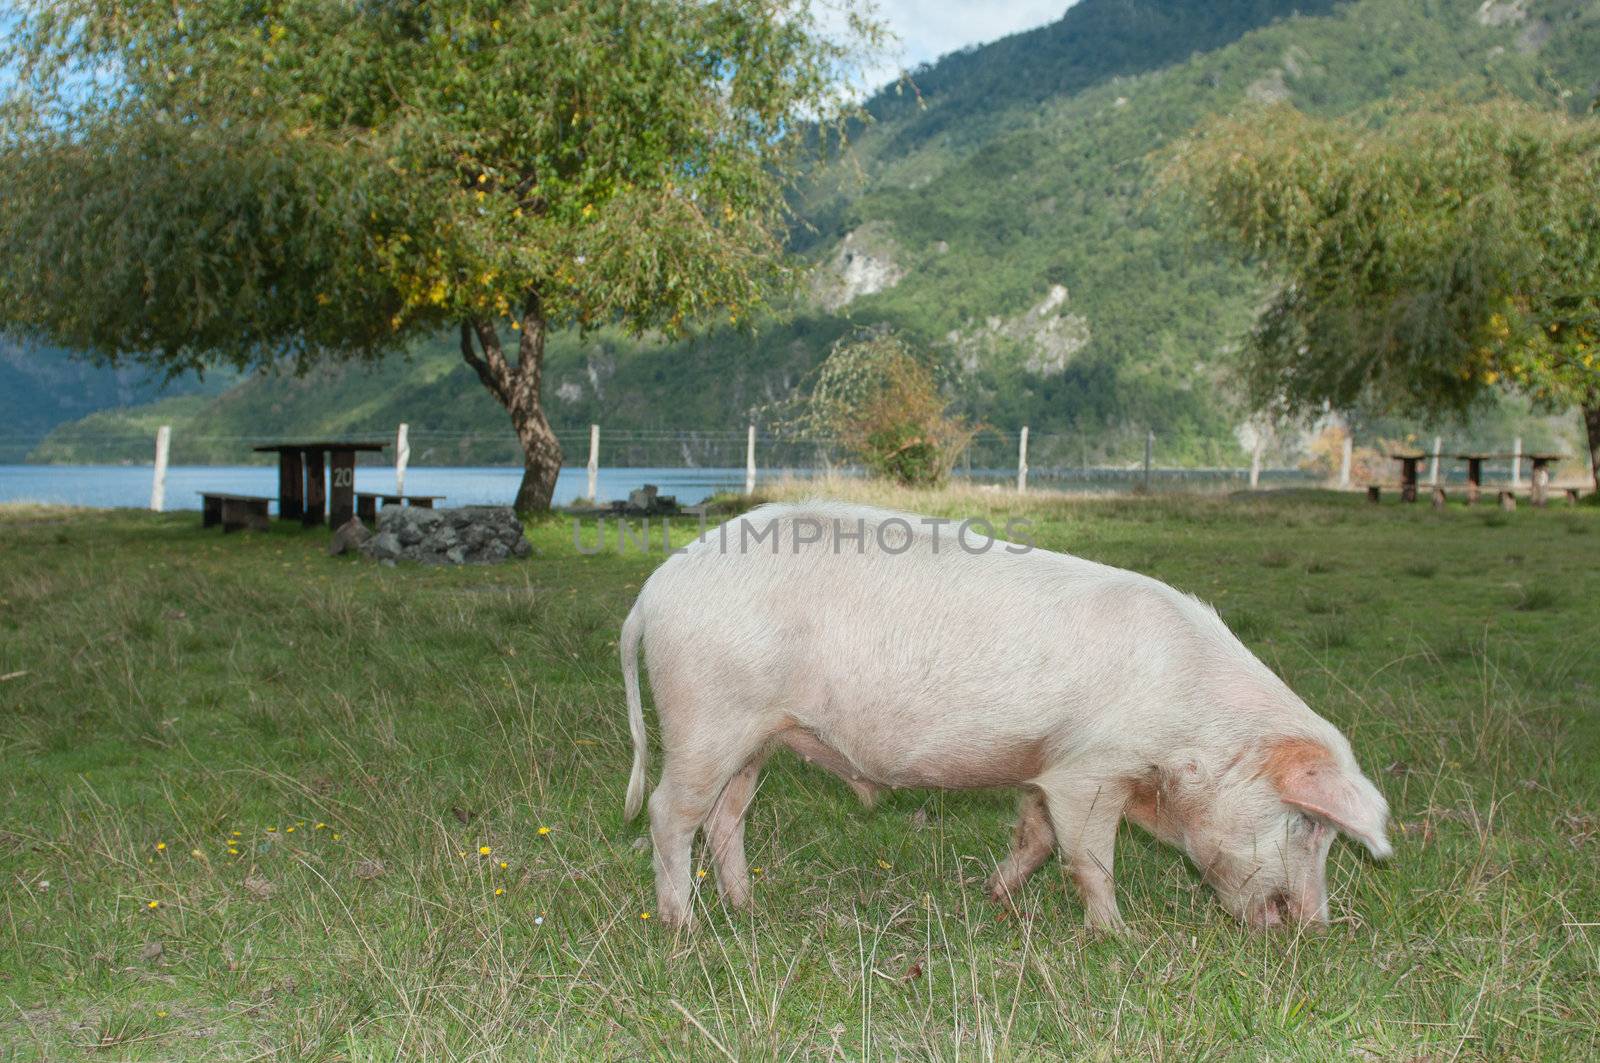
(104, 486)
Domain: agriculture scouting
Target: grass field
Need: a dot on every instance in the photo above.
(263, 803)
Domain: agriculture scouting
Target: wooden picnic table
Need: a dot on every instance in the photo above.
(1540, 478)
(303, 487)
(1409, 461)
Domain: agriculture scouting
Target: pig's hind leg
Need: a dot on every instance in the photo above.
(1085, 813)
(725, 834)
(696, 773)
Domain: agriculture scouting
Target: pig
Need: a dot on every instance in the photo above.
(893, 650)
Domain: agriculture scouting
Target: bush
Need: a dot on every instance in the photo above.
(883, 403)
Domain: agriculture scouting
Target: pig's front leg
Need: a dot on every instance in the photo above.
(1086, 813)
(1032, 842)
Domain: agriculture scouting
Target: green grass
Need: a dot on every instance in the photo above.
(167, 686)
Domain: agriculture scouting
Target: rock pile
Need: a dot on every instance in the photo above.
(465, 536)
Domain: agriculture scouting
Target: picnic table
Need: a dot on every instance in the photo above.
(303, 482)
(1540, 479)
(1411, 460)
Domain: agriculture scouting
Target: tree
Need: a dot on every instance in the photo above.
(882, 401)
(1422, 255)
(261, 182)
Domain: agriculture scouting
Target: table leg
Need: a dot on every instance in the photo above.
(342, 495)
(1541, 482)
(1474, 479)
(291, 485)
(316, 510)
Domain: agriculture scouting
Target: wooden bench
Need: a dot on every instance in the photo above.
(233, 511)
(367, 503)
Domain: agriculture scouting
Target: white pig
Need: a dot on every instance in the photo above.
(893, 652)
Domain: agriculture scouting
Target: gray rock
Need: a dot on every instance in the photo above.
(384, 545)
(351, 534)
(466, 535)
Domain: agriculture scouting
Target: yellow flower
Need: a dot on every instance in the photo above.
(483, 850)
(322, 826)
(482, 177)
(644, 915)
(161, 847)
(544, 830)
(233, 834)
(323, 299)
(885, 864)
(516, 326)
(700, 873)
(161, 1014)
(289, 831)
(755, 871)
(197, 852)
(153, 904)
(499, 891)
(588, 210)
(504, 865)
(336, 836)
(272, 830)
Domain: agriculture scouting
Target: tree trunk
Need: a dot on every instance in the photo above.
(517, 387)
(1591, 422)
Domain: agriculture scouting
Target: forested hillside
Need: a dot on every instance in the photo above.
(1002, 212)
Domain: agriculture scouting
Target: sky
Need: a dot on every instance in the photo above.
(929, 28)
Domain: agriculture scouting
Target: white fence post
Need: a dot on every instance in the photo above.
(594, 464)
(1346, 457)
(750, 462)
(1149, 451)
(1022, 462)
(1516, 462)
(1433, 467)
(1255, 463)
(158, 484)
(402, 457)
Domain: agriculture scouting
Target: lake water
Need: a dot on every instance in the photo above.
(104, 486)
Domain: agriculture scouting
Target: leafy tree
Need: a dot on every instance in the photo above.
(244, 182)
(1423, 256)
(882, 401)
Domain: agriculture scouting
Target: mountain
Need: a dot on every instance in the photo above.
(1001, 211)
(42, 387)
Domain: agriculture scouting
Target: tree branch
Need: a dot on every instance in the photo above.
(495, 380)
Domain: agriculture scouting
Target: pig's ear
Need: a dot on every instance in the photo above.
(1307, 777)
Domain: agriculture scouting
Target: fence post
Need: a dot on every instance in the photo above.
(750, 462)
(1433, 466)
(402, 457)
(158, 484)
(1516, 462)
(1022, 462)
(1255, 464)
(1149, 446)
(1346, 457)
(594, 464)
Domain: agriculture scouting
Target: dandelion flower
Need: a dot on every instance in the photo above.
(197, 852)
(234, 834)
(885, 865)
(755, 871)
(644, 915)
(461, 853)
(499, 891)
(336, 836)
(161, 1014)
(272, 830)
(504, 865)
(544, 830)
(700, 873)
(322, 826)
(484, 850)
(153, 905)
(289, 830)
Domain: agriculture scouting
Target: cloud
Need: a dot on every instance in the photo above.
(930, 28)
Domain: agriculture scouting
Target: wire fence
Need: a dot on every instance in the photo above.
(1101, 458)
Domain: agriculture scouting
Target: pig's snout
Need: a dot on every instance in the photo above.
(1285, 908)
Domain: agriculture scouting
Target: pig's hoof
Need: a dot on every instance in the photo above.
(1003, 892)
(1108, 923)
